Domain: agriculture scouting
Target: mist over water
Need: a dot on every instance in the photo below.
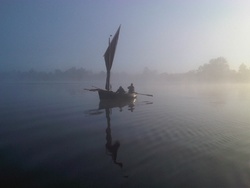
(187, 135)
(216, 71)
(193, 132)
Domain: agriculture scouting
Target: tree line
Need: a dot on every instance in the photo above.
(216, 70)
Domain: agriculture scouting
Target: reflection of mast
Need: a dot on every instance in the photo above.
(111, 148)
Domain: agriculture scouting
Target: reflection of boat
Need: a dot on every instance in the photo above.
(116, 103)
(109, 57)
(113, 147)
(105, 107)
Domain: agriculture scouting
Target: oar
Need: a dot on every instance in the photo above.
(98, 88)
(144, 94)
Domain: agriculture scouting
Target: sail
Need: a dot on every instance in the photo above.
(109, 56)
(110, 52)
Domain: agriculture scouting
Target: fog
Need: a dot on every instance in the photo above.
(217, 70)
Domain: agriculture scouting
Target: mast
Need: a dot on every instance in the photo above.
(109, 56)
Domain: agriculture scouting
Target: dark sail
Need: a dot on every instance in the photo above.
(109, 56)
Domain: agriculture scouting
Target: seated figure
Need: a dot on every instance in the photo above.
(120, 90)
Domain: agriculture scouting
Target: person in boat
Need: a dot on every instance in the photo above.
(131, 88)
(120, 90)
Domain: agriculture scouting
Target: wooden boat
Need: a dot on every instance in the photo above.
(108, 95)
(109, 57)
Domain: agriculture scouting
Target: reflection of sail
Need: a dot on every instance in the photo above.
(111, 148)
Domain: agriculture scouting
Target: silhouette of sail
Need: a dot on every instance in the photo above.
(109, 57)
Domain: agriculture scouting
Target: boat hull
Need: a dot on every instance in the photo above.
(110, 95)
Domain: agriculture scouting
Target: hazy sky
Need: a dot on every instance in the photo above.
(165, 35)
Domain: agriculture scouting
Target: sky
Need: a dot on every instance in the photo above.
(171, 36)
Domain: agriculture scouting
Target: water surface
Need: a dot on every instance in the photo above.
(54, 134)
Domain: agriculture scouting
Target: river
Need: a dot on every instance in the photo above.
(55, 135)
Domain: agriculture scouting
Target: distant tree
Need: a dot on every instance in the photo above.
(244, 72)
(216, 69)
(243, 69)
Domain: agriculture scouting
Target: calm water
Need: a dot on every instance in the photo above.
(55, 135)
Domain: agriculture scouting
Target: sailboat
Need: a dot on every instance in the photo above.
(107, 93)
(109, 55)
